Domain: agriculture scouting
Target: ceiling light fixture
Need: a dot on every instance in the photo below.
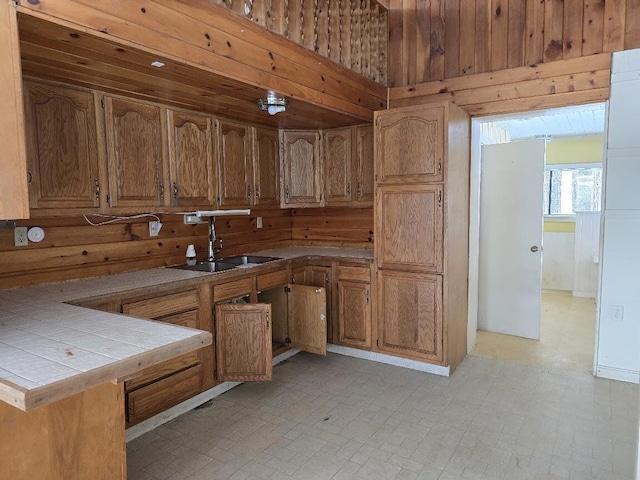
(273, 103)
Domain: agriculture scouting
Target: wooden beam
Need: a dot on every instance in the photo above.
(14, 198)
(545, 70)
(555, 84)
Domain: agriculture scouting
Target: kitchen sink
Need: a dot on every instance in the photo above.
(217, 266)
(248, 259)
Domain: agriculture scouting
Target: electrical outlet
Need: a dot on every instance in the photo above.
(617, 313)
(154, 228)
(20, 237)
(258, 222)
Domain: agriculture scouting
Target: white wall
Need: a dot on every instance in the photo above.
(557, 260)
(618, 339)
(587, 254)
(482, 133)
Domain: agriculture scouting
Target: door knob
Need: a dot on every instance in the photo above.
(534, 249)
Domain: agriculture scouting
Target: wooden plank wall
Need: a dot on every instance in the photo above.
(439, 39)
(74, 249)
(336, 227)
(350, 32)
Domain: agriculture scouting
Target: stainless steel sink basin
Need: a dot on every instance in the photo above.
(248, 259)
(217, 266)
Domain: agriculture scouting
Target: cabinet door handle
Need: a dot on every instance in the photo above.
(439, 166)
(267, 320)
(440, 198)
(30, 177)
(257, 190)
(175, 190)
(248, 191)
(161, 190)
(367, 297)
(349, 189)
(97, 189)
(359, 189)
(286, 192)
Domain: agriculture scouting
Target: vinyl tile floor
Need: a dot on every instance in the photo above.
(338, 417)
(567, 335)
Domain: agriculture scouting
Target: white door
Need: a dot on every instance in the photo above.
(510, 270)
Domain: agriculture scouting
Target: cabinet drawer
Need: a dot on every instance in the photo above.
(272, 279)
(163, 369)
(158, 396)
(356, 273)
(158, 307)
(237, 288)
(185, 319)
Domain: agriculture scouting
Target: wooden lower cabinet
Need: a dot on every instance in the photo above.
(353, 326)
(410, 315)
(173, 381)
(243, 342)
(247, 333)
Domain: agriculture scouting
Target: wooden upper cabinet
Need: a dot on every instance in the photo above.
(410, 145)
(62, 147)
(410, 305)
(243, 342)
(409, 228)
(266, 167)
(192, 161)
(364, 172)
(136, 152)
(234, 170)
(307, 318)
(337, 155)
(301, 169)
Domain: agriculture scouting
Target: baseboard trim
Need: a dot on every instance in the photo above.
(622, 375)
(188, 405)
(389, 360)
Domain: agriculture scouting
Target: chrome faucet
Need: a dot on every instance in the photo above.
(212, 240)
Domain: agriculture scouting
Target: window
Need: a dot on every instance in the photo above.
(569, 189)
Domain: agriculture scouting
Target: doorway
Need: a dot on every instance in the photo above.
(569, 179)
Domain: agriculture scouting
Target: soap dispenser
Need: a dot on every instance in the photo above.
(191, 255)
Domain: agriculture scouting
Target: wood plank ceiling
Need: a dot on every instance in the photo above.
(63, 54)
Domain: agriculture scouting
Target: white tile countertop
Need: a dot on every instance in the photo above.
(50, 350)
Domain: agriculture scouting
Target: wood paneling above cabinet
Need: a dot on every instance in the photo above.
(458, 38)
(215, 62)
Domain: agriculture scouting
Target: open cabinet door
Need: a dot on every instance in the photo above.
(243, 342)
(307, 318)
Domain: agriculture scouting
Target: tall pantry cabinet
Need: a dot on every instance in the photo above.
(421, 227)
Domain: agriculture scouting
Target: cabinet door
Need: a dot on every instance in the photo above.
(409, 228)
(62, 147)
(243, 342)
(191, 159)
(320, 276)
(410, 315)
(307, 318)
(354, 314)
(266, 167)
(135, 152)
(234, 186)
(337, 166)
(409, 145)
(364, 165)
(302, 169)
